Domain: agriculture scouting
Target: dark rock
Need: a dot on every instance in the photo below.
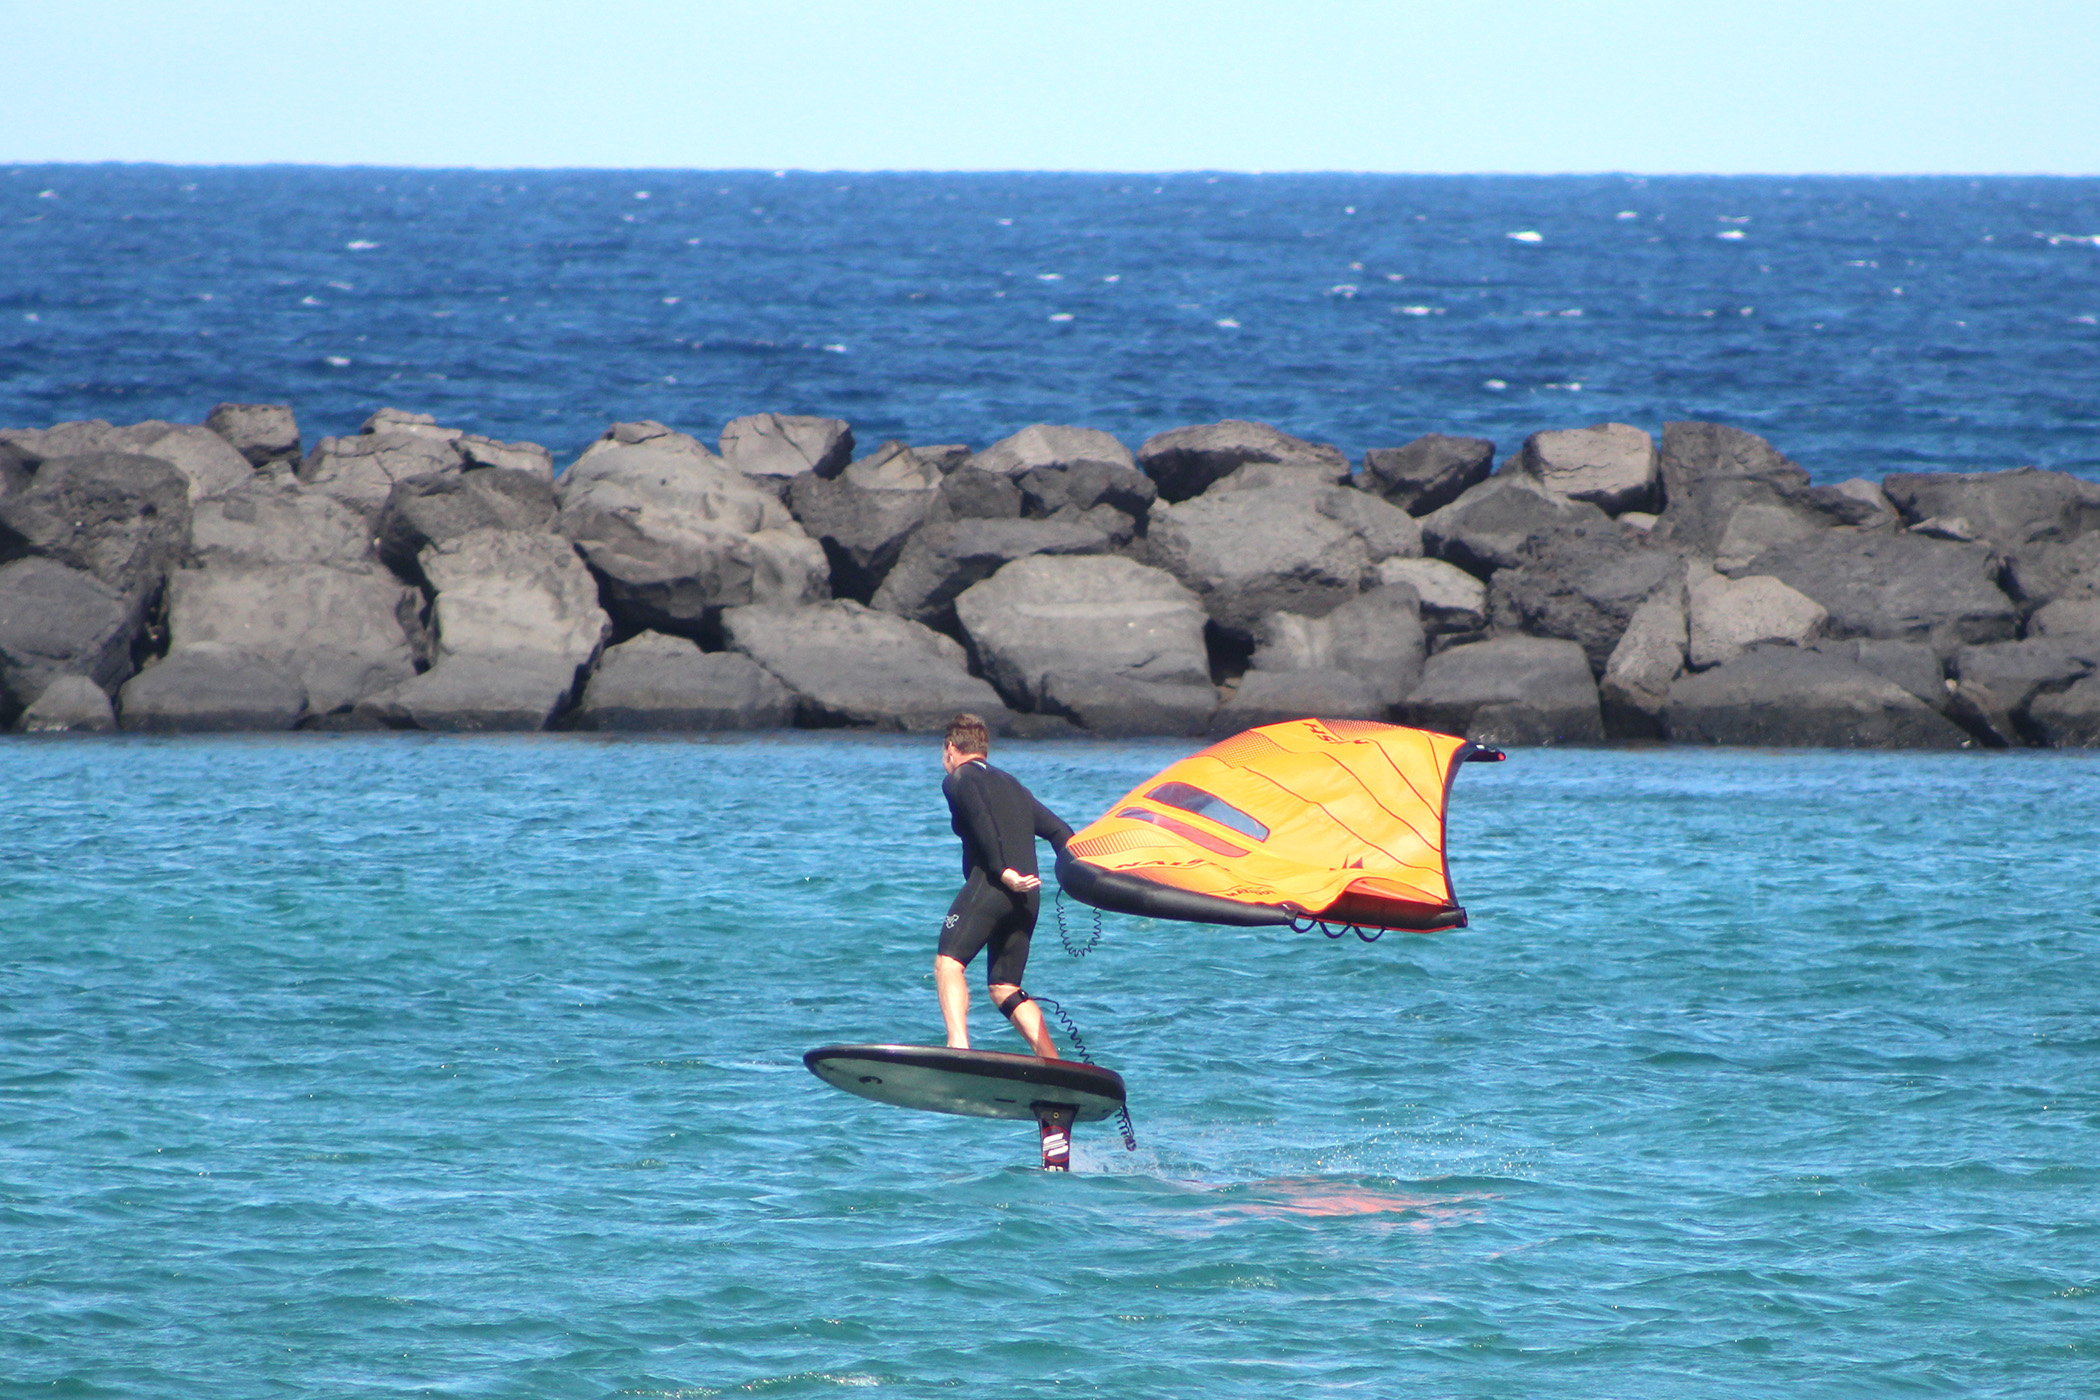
(943, 457)
(864, 515)
(851, 665)
(1613, 466)
(361, 470)
(2044, 571)
(515, 692)
(527, 457)
(1083, 616)
(1117, 707)
(71, 704)
(338, 631)
(274, 518)
(1913, 665)
(1185, 461)
(2069, 719)
(211, 690)
(787, 445)
(1581, 584)
(970, 494)
(658, 683)
(423, 510)
(1694, 452)
(261, 432)
(676, 534)
(2011, 510)
(1798, 697)
(1428, 473)
(1120, 529)
(1899, 586)
(1271, 697)
(123, 517)
(2066, 617)
(513, 593)
(1050, 446)
(1376, 637)
(1511, 690)
(942, 559)
(1649, 658)
(56, 620)
(207, 461)
(1086, 486)
(1486, 528)
(1996, 685)
(1731, 496)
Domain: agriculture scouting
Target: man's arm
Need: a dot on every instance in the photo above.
(1050, 826)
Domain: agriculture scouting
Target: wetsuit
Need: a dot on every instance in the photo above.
(998, 821)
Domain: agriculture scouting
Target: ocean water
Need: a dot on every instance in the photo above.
(1864, 325)
(393, 1065)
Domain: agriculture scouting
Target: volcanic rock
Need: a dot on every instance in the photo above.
(425, 510)
(274, 518)
(70, 704)
(337, 630)
(1897, 586)
(528, 457)
(1270, 697)
(1376, 637)
(1649, 658)
(1083, 616)
(1049, 445)
(211, 690)
(2066, 617)
(970, 494)
(657, 683)
(1429, 473)
(2012, 510)
(1452, 600)
(1486, 528)
(784, 446)
(1800, 697)
(1730, 615)
(261, 432)
(850, 665)
(2046, 570)
(1185, 461)
(1996, 685)
(361, 470)
(865, 514)
(1613, 466)
(1510, 690)
(123, 517)
(1117, 707)
(942, 559)
(56, 620)
(1582, 584)
(208, 463)
(2068, 719)
(475, 693)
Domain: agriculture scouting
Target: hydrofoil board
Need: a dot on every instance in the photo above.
(976, 1083)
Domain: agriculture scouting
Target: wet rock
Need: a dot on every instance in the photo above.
(262, 433)
(1649, 658)
(1730, 615)
(274, 518)
(1899, 586)
(123, 517)
(865, 514)
(1452, 600)
(1270, 697)
(676, 533)
(659, 683)
(71, 704)
(56, 620)
(211, 690)
(2069, 719)
(1800, 697)
(1613, 466)
(1581, 584)
(337, 631)
(1117, 707)
(942, 559)
(850, 665)
(1486, 528)
(1376, 637)
(1429, 473)
(784, 446)
(1996, 685)
(1079, 616)
(424, 510)
(1185, 461)
(1509, 691)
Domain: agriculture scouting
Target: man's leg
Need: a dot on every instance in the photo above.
(1027, 1017)
(954, 989)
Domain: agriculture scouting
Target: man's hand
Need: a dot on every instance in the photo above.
(1019, 883)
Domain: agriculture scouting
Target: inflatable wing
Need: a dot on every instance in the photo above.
(1327, 821)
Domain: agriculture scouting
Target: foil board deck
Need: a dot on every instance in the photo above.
(976, 1083)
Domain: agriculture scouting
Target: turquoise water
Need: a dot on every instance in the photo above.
(386, 1066)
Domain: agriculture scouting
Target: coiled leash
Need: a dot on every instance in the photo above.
(1307, 924)
(1065, 938)
(1079, 1044)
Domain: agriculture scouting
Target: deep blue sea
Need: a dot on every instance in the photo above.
(395, 1065)
(1864, 325)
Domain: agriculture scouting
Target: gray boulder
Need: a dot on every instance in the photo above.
(262, 433)
(1486, 528)
(424, 510)
(360, 470)
(2011, 510)
(56, 620)
(1728, 616)
(659, 683)
(1996, 685)
(1054, 447)
(676, 533)
(274, 518)
(1086, 486)
(516, 692)
(527, 457)
(1185, 461)
(944, 558)
(1800, 697)
(1510, 690)
(864, 515)
(850, 665)
(970, 494)
(1376, 637)
(1913, 665)
(2066, 617)
(1581, 584)
(207, 462)
(785, 445)
(1429, 473)
(1452, 600)
(1731, 496)
(1649, 658)
(123, 517)
(2068, 719)
(1117, 707)
(211, 690)
(338, 631)
(1613, 466)
(71, 704)
(1100, 615)
(2043, 571)
(1271, 697)
(1899, 586)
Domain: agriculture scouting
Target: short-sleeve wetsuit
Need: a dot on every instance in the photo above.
(998, 821)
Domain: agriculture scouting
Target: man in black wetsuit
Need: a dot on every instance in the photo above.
(998, 821)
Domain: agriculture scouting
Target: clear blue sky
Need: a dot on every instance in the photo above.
(1653, 86)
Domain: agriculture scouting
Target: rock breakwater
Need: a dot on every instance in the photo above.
(1603, 583)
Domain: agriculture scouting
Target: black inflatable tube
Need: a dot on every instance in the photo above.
(1127, 894)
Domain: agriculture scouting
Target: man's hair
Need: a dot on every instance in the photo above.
(968, 734)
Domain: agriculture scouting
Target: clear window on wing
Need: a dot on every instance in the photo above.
(1204, 804)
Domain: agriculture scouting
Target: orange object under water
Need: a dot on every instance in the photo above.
(1335, 821)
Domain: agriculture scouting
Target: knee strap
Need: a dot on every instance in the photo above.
(1006, 1008)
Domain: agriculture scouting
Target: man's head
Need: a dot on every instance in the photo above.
(968, 738)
